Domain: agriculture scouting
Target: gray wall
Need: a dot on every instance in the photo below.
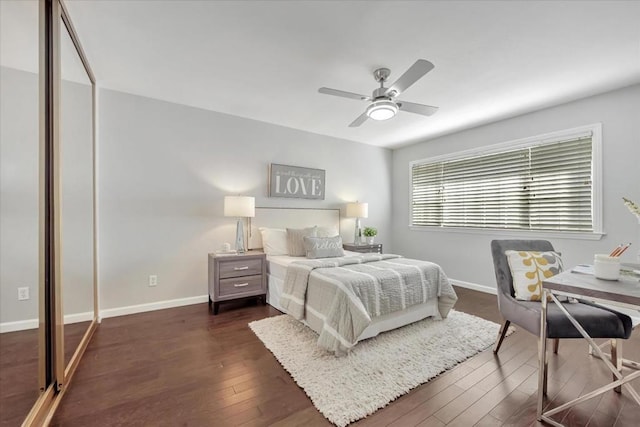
(19, 171)
(164, 170)
(18, 194)
(466, 256)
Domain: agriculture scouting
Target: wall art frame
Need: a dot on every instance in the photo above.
(296, 182)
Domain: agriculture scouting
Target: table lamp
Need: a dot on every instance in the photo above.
(240, 207)
(357, 210)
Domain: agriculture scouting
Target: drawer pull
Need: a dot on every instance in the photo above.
(246, 267)
(240, 285)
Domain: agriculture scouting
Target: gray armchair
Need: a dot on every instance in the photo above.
(598, 321)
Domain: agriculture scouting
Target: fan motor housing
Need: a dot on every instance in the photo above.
(380, 93)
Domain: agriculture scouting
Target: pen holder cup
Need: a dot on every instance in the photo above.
(606, 267)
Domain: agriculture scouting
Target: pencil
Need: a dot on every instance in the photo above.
(624, 249)
(615, 250)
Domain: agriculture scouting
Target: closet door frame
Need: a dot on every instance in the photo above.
(64, 373)
(53, 376)
(48, 41)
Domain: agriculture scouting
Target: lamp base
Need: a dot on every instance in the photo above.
(240, 237)
(357, 237)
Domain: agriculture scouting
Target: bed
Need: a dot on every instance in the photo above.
(353, 297)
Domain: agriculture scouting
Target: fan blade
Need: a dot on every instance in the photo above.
(342, 93)
(360, 120)
(412, 75)
(411, 107)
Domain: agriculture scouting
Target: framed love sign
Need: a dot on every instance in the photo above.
(296, 182)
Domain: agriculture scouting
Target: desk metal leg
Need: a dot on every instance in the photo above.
(617, 374)
(625, 362)
(620, 380)
(542, 356)
(616, 358)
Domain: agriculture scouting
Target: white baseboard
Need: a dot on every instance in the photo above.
(23, 325)
(20, 325)
(78, 317)
(474, 286)
(159, 305)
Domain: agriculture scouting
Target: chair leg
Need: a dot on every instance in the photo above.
(556, 344)
(616, 359)
(501, 334)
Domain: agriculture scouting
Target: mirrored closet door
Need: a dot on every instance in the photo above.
(48, 303)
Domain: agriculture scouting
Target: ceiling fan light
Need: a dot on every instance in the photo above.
(382, 109)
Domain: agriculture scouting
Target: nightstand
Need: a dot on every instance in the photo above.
(364, 248)
(236, 276)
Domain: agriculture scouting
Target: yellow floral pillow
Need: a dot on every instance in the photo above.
(529, 269)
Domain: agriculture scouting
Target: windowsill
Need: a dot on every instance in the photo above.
(582, 235)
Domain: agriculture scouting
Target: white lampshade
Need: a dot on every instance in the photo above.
(240, 206)
(357, 210)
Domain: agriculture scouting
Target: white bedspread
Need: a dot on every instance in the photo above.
(347, 292)
(277, 268)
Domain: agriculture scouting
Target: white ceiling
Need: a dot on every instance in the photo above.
(265, 60)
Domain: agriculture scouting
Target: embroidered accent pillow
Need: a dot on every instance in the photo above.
(274, 241)
(295, 244)
(529, 269)
(323, 247)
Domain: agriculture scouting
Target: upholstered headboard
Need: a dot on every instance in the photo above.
(290, 218)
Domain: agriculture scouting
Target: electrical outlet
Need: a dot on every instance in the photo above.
(23, 294)
(153, 280)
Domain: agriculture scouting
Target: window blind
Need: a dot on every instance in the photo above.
(544, 186)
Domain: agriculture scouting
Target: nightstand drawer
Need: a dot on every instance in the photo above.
(240, 267)
(241, 285)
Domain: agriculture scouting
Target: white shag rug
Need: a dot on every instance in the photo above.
(377, 370)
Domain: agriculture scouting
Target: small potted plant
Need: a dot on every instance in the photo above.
(370, 233)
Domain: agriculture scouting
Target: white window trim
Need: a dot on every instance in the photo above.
(594, 129)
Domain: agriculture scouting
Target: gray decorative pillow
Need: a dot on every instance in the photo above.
(323, 247)
(295, 244)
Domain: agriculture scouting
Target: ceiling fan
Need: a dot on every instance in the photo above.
(383, 103)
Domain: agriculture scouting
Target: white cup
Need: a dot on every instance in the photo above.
(226, 247)
(606, 267)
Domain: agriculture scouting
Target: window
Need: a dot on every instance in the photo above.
(544, 183)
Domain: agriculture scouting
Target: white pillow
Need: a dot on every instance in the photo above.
(274, 241)
(327, 232)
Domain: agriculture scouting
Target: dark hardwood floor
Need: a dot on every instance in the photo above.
(19, 388)
(186, 367)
